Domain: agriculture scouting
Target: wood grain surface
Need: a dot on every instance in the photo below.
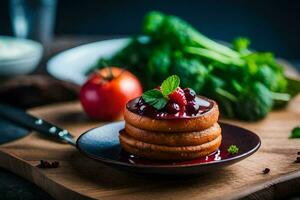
(79, 177)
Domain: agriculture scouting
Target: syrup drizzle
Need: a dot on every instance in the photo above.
(205, 105)
(133, 159)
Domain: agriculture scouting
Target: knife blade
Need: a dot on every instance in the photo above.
(23, 119)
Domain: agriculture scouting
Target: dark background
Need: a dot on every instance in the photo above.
(271, 25)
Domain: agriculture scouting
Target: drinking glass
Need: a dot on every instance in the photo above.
(33, 19)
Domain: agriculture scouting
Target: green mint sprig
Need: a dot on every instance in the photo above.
(169, 85)
(155, 98)
(159, 98)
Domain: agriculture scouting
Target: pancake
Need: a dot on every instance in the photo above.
(174, 139)
(160, 152)
(197, 123)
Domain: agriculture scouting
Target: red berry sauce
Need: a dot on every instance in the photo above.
(194, 107)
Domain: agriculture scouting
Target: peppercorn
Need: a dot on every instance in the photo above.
(46, 164)
(297, 160)
(55, 164)
(266, 171)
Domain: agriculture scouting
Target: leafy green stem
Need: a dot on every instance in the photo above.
(281, 96)
(212, 55)
(226, 94)
(214, 46)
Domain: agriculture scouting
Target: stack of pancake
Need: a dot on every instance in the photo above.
(171, 139)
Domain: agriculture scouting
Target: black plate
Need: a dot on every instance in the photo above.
(102, 144)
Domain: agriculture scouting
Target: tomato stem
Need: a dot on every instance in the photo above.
(110, 74)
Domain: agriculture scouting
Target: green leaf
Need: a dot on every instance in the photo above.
(241, 44)
(233, 149)
(170, 84)
(295, 132)
(155, 98)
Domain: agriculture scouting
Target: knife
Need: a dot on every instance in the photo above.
(23, 119)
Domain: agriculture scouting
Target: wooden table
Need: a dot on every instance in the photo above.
(81, 178)
(277, 153)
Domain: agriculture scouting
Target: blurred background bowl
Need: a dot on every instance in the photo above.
(19, 56)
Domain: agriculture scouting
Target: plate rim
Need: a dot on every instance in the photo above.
(143, 166)
(58, 55)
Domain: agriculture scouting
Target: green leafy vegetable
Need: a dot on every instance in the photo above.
(169, 85)
(233, 149)
(180, 33)
(295, 132)
(293, 86)
(155, 98)
(246, 84)
(254, 103)
(153, 22)
(241, 45)
(159, 62)
(214, 56)
(191, 71)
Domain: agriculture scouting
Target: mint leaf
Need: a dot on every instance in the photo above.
(159, 99)
(233, 149)
(169, 85)
(155, 98)
(295, 132)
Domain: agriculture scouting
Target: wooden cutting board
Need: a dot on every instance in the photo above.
(79, 177)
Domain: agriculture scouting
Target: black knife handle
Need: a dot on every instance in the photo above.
(25, 120)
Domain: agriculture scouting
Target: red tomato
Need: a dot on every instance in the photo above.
(105, 94)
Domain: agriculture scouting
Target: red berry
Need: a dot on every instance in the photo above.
(189, 93)
(173, 108)
(147, 110)
(178, 97)
(192, 108)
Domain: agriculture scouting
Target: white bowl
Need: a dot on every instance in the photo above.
(18, 56)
